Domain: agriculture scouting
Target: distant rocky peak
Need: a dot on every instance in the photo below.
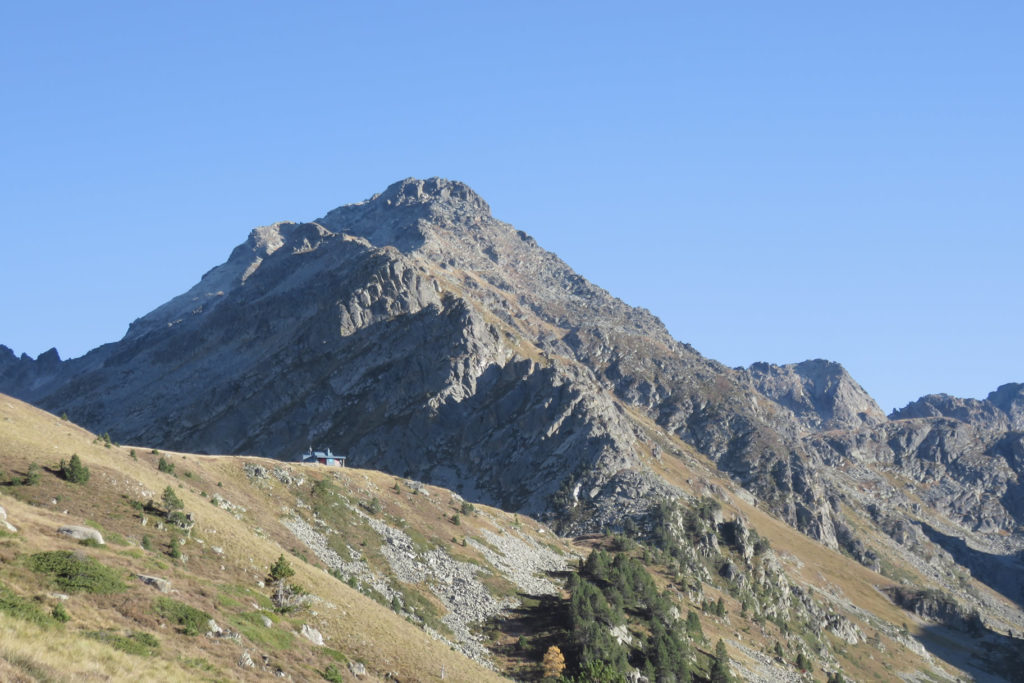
(987, 415)
(407, 212)
(415, 191)
(821, 393)
(1009, 398)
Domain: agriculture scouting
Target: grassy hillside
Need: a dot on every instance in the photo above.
(409, 582)
(242, 510)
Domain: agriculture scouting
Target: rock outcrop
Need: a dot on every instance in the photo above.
(81, 533)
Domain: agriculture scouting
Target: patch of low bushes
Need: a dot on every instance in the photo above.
(22, 608)
(135, 643)
(74, 572)
(191, 621)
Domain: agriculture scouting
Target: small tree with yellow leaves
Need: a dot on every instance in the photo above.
(553, 663)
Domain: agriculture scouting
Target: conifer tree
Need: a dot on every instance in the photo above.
(720, 672)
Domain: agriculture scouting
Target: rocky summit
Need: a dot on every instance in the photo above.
(416, 334)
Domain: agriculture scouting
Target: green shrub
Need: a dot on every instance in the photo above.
(27, 610)
(74, 471)
(165, 465)
(73, 572)
(32, 478)
(190, 620)
(60, 614)
(135, 643)
(333, 674)
(147, 543)
(467, 508)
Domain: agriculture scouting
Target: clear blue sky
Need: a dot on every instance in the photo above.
(776, 181)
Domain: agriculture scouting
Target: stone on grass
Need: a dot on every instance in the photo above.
(162, 585)
(81, 533)
(312, 635)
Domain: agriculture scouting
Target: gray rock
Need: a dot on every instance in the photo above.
(162, 585)
(213, 629)
(245, 661)
(81, 533)
(820, 394)
(266, 621)
(312, 635)
(358, 669)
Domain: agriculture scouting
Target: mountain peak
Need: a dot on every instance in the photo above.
(416, 191)
(821, 393)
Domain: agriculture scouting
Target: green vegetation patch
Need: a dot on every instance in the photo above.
(250, 625)
(21, 608)
(423, 607)
(134, 643)
(242, 593)
(336, 655)
(190, 620)
(73, 572)
(333, 674)
(200, 663)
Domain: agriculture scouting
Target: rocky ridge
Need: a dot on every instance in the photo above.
(419, 335)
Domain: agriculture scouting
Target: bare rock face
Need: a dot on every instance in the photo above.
(820, 394)
(1001, 411)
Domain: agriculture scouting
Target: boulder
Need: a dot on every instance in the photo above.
(81, 533)
(162, 585)
(312, 635)
(213, 629)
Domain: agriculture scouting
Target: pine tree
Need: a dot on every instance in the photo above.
(74, 471)
(281, 570)
(171, 502)
(720, 672)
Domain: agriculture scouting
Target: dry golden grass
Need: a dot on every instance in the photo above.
(350, 622)
(59, 655)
